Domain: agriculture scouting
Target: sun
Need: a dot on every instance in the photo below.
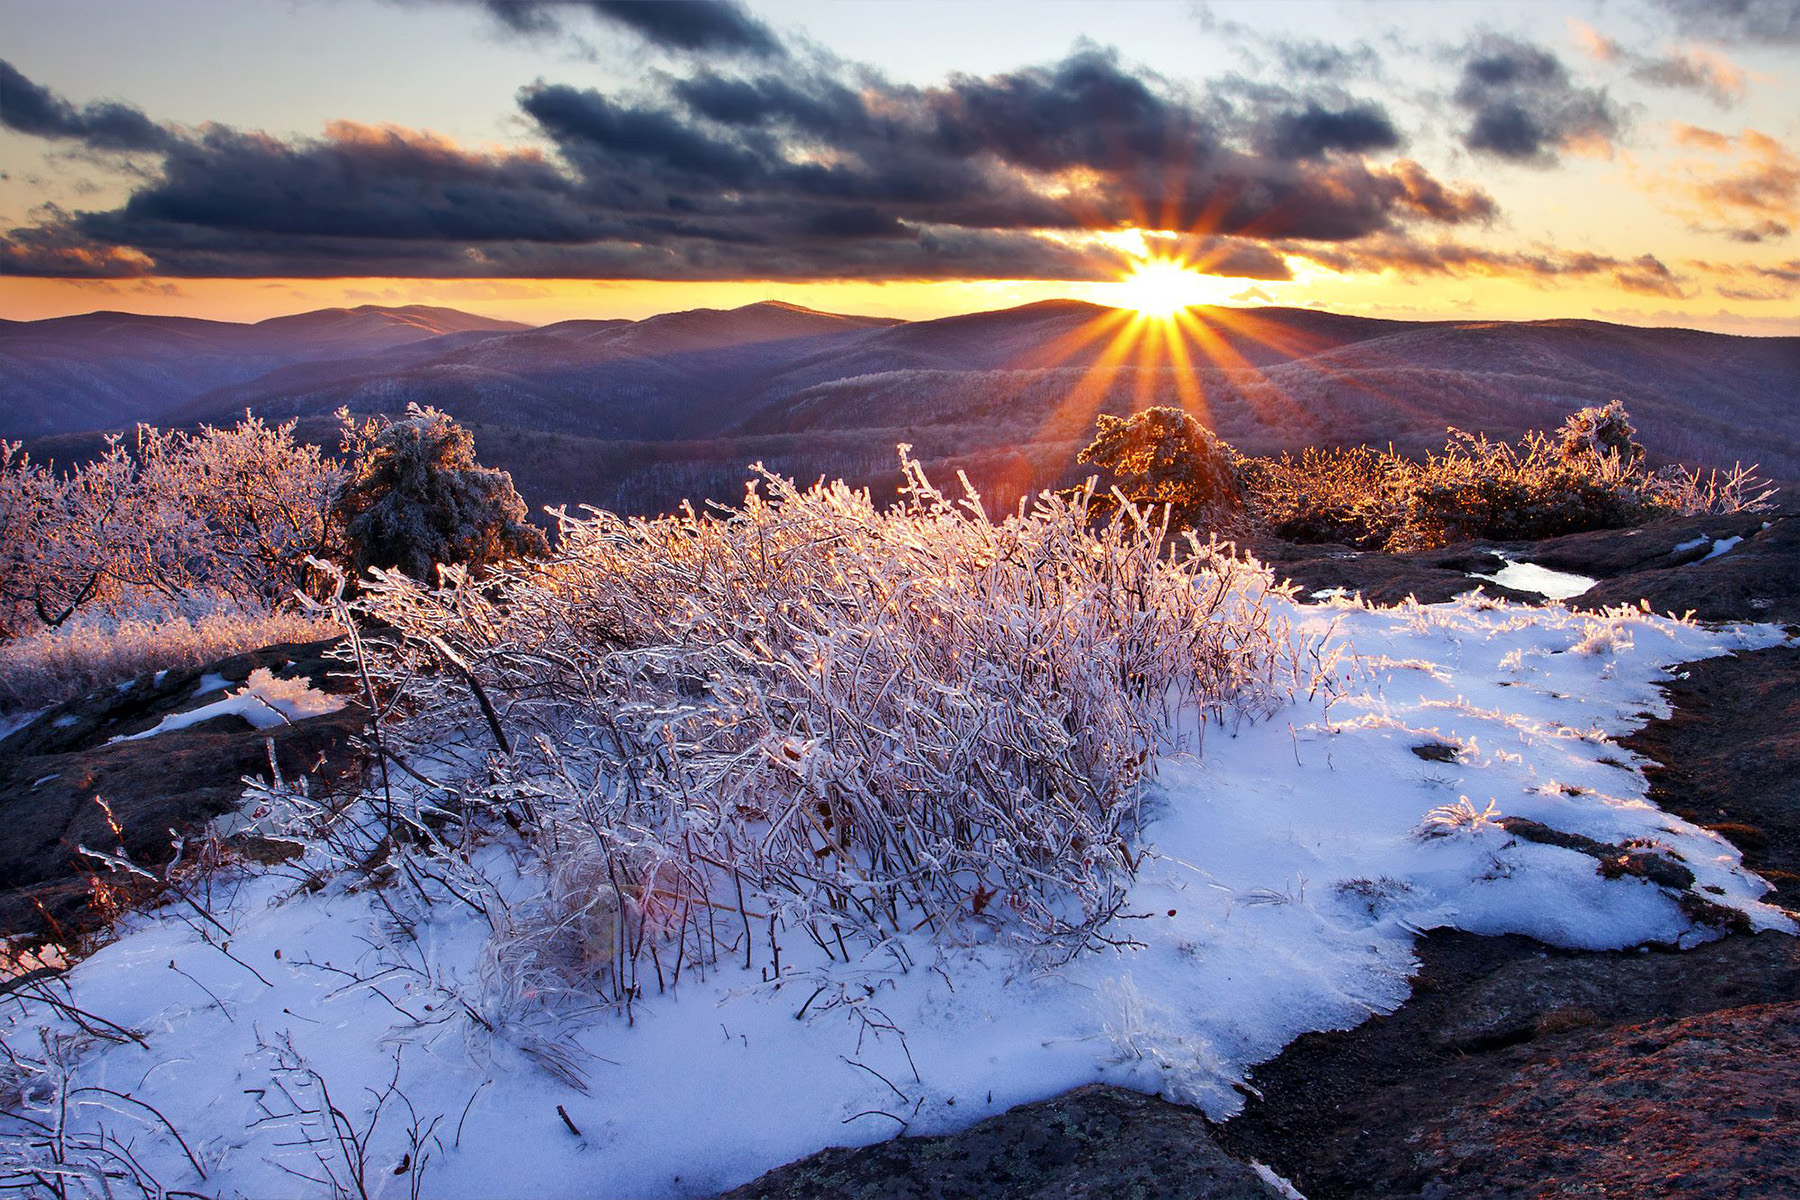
(1162, 287)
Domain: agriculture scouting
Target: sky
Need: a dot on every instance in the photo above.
(1628, 160)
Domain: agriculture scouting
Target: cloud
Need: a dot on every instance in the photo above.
(685, 26)
(820, 170)
(1774, 22)
(694, 25)
(1648, 276)
(1644, 274)
(357, 181)
(1305, 57)
(1752, 199)
(1313, 131)
(1322, 60)
(1523, 107)
(1754, 294)
(1754, 281)
(1694, 68)
(1235, 258)
(30, 108)
(1720, 321)
(1252, 294)
(1598, 45)
(56, 248)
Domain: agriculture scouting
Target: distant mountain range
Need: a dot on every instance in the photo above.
(635, 415)
(109, 369)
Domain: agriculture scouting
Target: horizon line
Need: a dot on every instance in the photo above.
(528, 326)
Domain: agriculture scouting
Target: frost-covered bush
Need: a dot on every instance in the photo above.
(158, 517)
(807, 716)
(1335, 495)
(1479, 488)
(1599, 432)
(416, 498)
(1589, 474)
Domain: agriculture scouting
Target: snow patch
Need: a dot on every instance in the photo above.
(1722, 546)
(264, 701)
(1530, 577)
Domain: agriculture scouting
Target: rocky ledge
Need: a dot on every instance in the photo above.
(158, 788)
(1680, 565)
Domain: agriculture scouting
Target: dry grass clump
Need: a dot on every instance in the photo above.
(1588, 474)
(808, 715)
(92, 650)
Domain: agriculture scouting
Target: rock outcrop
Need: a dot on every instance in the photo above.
(157, 788)
(1092, 1143)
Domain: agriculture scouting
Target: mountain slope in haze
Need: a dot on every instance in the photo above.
(110, 369)
(706, 373)
(675, 375)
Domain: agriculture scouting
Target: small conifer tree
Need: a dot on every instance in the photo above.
(1601, 432)
(416, 498)
(1164, 456)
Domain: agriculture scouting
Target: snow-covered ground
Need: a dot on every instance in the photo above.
(1293, 863)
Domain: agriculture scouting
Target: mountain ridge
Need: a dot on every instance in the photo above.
(1008, 394)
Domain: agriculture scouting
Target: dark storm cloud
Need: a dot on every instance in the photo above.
(654, 137)
(823, 106)
(1315, 130)
(692, 26)
(817, 171)
(31, 108)
(1086, 111)
(1523, 105)
(57, 248)
(1774, 22)
(366, 181)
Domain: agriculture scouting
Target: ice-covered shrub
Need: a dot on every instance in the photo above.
(1326, 495)
(1478, 488)
(416, 497)
(807, 716)
(1589, 474)
(1599, 432)
(232, 512)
